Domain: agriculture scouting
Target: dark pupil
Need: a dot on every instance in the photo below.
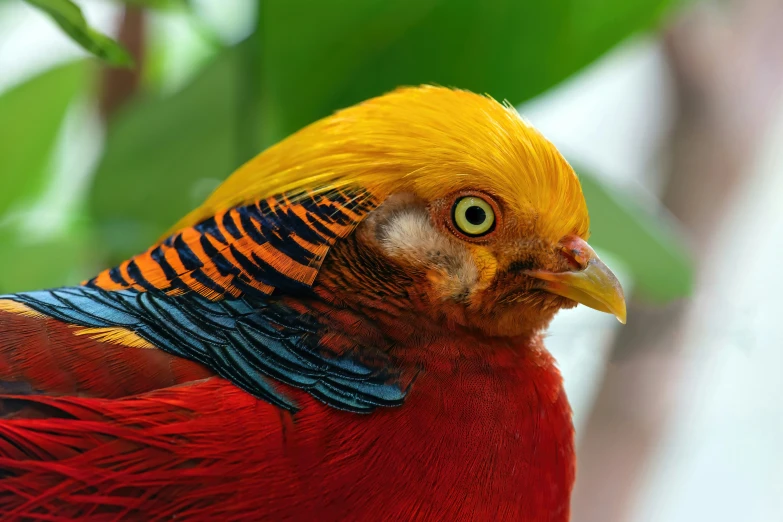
(475, 215)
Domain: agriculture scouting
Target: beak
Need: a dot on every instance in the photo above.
(591, 283)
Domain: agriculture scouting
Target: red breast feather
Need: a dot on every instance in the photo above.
(479, 440)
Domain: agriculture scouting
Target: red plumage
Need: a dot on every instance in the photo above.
(48, 355)
(493, 433)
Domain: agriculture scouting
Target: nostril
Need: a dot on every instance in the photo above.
(576, 252)
(572, 257)
(575, 258)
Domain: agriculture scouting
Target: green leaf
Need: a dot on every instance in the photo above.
(649, 245)
(30, 117)
(163, 156)
(70, 18)
(320, 56)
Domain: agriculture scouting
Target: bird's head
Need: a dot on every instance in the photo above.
(481, 217)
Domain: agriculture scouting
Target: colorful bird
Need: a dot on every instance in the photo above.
(348, 329)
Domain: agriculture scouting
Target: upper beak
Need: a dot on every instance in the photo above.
(591, 284)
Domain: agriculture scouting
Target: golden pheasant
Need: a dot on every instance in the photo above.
(349, 328)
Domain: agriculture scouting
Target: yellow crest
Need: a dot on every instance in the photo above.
(426, 140)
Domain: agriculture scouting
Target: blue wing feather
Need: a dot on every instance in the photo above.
(249, 341)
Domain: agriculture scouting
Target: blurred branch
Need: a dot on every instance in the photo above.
(157, 4)
(248, 98)
(119, 85)
(727, 63)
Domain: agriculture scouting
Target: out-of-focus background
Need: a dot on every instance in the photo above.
(671, 111)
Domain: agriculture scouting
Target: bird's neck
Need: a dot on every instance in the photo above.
(496, 402)
(485, 419)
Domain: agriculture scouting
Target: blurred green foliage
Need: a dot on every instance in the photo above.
(164, 152)
(319, 56)
(31, 115)
(159, 148)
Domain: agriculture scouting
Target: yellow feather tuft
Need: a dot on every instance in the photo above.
(426, 140)
(13, 307)
(114, 336)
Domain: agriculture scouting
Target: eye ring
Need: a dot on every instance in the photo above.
(473, 216)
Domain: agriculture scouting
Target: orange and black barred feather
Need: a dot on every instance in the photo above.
(277, 242)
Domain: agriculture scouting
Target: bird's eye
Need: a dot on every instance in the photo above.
(473, 216)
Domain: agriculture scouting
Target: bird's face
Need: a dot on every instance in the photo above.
(476, 262)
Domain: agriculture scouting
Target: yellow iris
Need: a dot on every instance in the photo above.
(473, 216)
